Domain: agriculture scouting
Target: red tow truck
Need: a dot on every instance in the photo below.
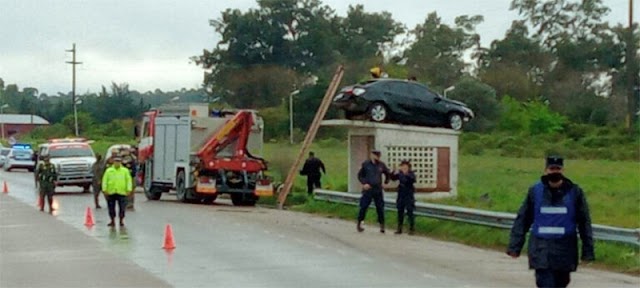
(187, 148)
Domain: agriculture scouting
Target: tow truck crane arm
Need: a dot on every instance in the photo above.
(235, 130)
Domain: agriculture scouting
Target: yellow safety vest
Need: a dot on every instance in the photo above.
(117, 181)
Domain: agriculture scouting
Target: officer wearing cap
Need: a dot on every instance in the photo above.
(406, 200)
(554, 209)
(116, 184)
(370, 176)
(47, 176)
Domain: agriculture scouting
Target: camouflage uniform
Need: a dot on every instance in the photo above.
(47, 176)
(129, 162)
(98, 170)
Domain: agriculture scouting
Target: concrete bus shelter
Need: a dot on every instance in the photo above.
(433, 153)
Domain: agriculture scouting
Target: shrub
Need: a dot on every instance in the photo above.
(513, 115)
(57, 130)
(276, 122)
(542, 120)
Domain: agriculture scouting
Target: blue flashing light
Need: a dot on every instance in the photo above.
(21, 146)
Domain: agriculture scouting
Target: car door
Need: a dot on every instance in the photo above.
(393, 96)
(424, 104)
(397, 98)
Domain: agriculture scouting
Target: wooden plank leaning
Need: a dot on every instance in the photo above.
(311, 134)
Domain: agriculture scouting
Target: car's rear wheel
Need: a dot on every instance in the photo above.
(378, 112)
(455, 121)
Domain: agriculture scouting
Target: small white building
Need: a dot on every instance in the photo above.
(433, 153)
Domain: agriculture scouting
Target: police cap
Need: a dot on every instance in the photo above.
(554, 161)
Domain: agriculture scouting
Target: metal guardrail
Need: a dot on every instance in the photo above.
(479, 217)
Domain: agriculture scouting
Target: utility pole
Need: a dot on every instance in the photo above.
(632, 73)
(73, 93)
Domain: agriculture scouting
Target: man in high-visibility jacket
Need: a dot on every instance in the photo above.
(116, 184)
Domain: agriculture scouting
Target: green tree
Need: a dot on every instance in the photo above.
(482, 99)
(437, 53)
(514, 65)
(85, 121)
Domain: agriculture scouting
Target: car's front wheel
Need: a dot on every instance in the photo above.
(455, 121)
(378, 112)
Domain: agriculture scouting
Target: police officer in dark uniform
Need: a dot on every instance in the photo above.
(311, 169)
(406, 200)
(47, 177)
(370, 176)
(554, 209)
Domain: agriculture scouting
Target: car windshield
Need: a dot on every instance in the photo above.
(22, 153)
(71, 151)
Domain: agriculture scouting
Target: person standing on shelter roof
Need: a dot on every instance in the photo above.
(554, 209)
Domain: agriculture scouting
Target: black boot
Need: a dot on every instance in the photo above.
(111, 224)
(412, 229)
(381, 228)
(399, 230)
(360, 229)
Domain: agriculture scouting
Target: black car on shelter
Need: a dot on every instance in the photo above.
(403, 102)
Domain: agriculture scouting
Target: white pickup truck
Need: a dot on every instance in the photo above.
(73, 159)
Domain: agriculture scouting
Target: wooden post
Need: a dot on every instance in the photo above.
(311, 134)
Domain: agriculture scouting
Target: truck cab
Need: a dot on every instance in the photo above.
(73, 159)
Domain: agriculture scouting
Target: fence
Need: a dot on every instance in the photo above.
(479, 217)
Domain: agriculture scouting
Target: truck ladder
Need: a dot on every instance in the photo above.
(311, 134)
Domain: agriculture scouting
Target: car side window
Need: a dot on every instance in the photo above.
(423, 92)
(398, 89)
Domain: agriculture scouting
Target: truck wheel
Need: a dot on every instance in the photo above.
(236, 199)
(242, 200)
(154, 193)
(181, 190)
(209, 199)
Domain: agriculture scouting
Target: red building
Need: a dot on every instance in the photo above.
(20, 124)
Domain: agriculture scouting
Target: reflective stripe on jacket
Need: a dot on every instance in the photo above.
(554, 220)
(117, 181)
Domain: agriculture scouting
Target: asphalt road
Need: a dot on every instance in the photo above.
(225, 246)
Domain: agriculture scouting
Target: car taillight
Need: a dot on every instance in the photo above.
(206, 180)
(358, 91)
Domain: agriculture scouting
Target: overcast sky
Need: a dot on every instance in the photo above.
(147, 43)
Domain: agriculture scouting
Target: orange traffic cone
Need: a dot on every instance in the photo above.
(88, 218)
(168, 238)
(5, 189)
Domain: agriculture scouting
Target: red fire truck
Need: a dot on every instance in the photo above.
(187, 148)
